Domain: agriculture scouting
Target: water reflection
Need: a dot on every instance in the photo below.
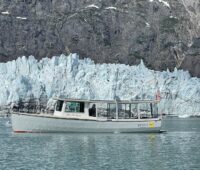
(176, 149)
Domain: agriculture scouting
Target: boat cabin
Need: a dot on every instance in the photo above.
(106, 109)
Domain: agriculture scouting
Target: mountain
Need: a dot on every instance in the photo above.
(164, 33)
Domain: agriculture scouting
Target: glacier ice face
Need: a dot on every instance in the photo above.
(68, 76)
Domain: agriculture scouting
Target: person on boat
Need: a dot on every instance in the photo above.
(92, 111)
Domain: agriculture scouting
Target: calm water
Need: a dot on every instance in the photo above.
(179, 148)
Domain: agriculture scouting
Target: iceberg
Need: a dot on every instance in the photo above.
(69, 76)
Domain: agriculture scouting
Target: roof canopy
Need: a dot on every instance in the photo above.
(107, 101)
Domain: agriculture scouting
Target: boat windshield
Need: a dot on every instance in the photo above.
(77, 107)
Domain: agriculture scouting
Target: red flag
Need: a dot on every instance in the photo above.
(158, 96)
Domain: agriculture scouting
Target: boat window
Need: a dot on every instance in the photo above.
(124, 111)
(101, 110)
(134, 111)
(74, 107)
(154, 110)
(59, 105)
(106, 110)
(145, 110)
(111, 111)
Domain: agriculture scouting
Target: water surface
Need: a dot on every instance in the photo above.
(179, 148)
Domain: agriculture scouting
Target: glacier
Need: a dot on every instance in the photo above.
(69, 76)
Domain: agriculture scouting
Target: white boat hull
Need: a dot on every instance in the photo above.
(34, 123)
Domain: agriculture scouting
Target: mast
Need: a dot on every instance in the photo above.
(97, 110)
(138, 110)
(116, 109)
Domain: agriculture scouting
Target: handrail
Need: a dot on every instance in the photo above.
(108, 101)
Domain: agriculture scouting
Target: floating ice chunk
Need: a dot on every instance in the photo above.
(92, 6)
(22, 18)
(5, 13)
(8, 123)
(111, 7)
(184, 116)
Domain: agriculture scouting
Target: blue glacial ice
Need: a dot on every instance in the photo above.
(69, 76)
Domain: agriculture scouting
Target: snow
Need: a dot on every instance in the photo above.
(190, 44)
(5, 13)
(172, 17)
(92, 6)
(68, 76)
(162, 1)
(111, 7)
(147, 24)
(23, 18)
(165, 3)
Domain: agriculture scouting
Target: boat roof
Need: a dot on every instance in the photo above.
(108, 101)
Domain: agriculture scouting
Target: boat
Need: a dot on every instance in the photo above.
(104, 116)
